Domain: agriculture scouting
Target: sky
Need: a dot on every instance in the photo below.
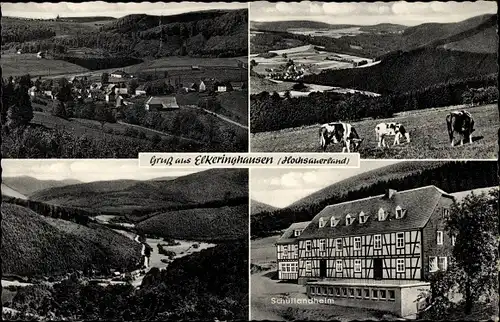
(282, 187)
(86, 170)
(48, 10)
(398, 12)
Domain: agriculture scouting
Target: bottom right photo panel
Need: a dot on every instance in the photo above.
(388, 240)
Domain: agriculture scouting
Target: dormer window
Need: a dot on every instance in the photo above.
(321, 223)
(333, 222)
(381, 214)
(362, 218)
(348, 220)
(297, 232)
(399, 212)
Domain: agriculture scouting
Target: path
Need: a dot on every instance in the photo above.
(222, 117)
(158, 132)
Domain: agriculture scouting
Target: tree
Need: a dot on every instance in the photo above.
(104, 78)
(474, 223)
(20, 112)
(253, 63)
(103, 114)
(132, 86)
(63, 90)
(58, 109)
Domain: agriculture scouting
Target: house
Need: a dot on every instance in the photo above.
(19, 51)
(195, 67)
(198, 86)
(222, 86)
(376, 252)
(40, 55)
(141, 90)
(118, 74)
(237, 86)
(287, 251)
(161, 103)
(32, 91)
(96, 86)
(49, 94)
(122, 90)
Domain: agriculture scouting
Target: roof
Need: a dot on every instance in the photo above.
(119, 72)
(165, 101)
(288, 236)
(418, 204)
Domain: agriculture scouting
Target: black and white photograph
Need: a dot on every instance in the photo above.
(110, 80)
(88, 240)
(390, 80)
(386, 241)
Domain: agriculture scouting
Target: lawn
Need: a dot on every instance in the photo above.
(263, 250)
(17, 65)
(427, 129)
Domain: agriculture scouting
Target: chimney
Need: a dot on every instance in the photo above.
(390, 193)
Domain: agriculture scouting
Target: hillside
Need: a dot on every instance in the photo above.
(28, 185)
(8, 191)
(257, 206)
(407, 71)
(38, 245)
(126, 195)
(400, 176)
(283, 26)
(213, 224)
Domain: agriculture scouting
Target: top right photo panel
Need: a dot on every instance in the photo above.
(389, 80)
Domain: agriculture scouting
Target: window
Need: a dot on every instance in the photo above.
(381, 214)
(392, 295)
(357, 243)
(348, 220)
(324, 290)
(285, 251)
(337, 291)
(442, 263)
(375, 294)
(308, 245)
(358, 292)
(297, 232)
(367, 293)
(400, 265)
(338, 266)
(382, 294)
(433, 265)
(357, 265)
(439, 237)
(453, 240)
(400, 240)
(344, 292)
(321, 223)
(333, 222)
(313, 290)
(377, 242)
(322, 245)
(351, 292)
(308, 266)
(362, 218)
(338, 244)
(446, 213)
(399, 212)
(288, 267)
(330, 291)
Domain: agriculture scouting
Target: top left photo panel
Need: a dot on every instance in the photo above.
(110, 80)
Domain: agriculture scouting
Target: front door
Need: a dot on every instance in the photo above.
(377, 268)
(322, 268)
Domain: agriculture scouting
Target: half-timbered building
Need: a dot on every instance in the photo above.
(377, 251)
(287, 253)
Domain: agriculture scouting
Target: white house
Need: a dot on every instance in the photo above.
(118, 74)
(161, 103)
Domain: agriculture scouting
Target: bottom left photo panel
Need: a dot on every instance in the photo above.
(107, 240)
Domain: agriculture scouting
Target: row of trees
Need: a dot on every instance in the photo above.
(271, 112)
(473, 175)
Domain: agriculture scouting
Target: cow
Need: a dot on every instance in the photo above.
(460, 123)
(339, 132)
(397, 129)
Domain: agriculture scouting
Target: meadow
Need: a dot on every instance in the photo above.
(428, 134)
(18, 65)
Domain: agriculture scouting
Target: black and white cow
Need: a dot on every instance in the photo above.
(385, 129)
(460, 123)
(339, 132)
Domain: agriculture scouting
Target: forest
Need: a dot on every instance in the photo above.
(272, 112)
(450, 177)
(209, 285)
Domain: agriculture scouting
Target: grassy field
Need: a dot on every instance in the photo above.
(17, 65)
(263, 250)
(28, 185)
(36, 245)
(427, 129)
(235, 104)
(199, 224)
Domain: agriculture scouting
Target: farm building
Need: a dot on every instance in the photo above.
(118, 74)
(141, 90)
(161, 103)
(122, 90)
(198, 86)
(375, 252)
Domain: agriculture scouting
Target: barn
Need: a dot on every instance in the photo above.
(161, 103)
(375, 252)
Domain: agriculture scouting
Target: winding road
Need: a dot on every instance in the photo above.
(222, 117)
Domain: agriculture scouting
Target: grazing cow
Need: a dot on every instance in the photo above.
(397, 129)
(338, 132)
(460, 123)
